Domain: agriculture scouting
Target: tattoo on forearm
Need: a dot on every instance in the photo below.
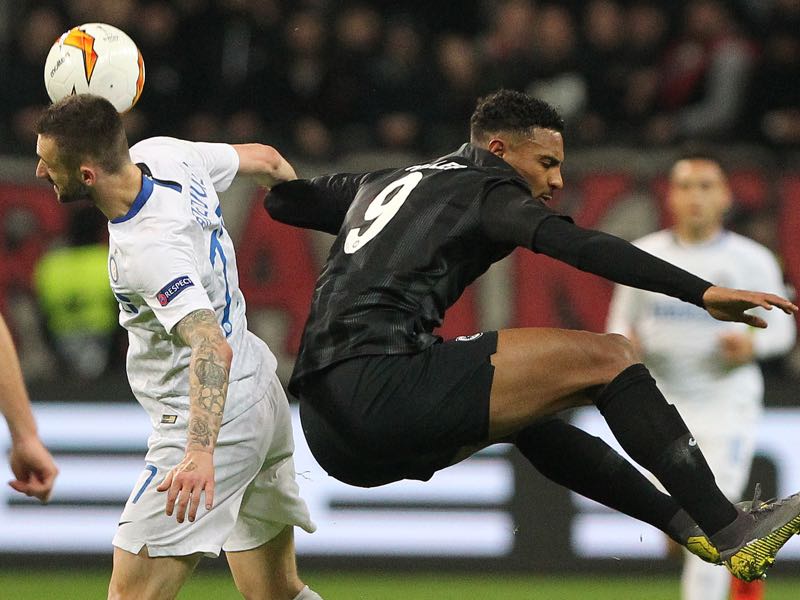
(200, 433)
(208, 376)
(213, 379)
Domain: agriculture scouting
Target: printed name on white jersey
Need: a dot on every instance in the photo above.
(197, 198)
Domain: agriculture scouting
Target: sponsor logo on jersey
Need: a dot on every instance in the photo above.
(113, 270)
(468, 338)
(173, 288)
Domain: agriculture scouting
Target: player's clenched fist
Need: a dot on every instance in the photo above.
(186, 483)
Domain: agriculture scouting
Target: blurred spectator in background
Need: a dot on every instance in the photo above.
(509, 44)
(167, 76)
(306, 66)
(71, 284)
(707, 368)
(24, 95)
(604, 66)
(704, 75)
(774, 91)
(313, 143)
(555, 77)
(647, 30)
(458, 80)
(358, 32)
(399, 73)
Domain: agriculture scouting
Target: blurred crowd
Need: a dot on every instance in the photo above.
(322, 78)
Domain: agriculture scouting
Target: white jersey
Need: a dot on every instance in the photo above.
(171, 255)
(680, 341)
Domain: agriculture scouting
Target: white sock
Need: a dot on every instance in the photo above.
(307, 594)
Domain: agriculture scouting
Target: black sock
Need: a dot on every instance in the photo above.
(653, 433)
(587, 465)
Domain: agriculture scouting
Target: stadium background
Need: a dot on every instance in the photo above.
(357, 85)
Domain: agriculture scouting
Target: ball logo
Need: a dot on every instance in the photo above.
(166, 294)
(85, 43)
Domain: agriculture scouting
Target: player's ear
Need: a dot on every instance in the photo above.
(497, 147)
(88, 175)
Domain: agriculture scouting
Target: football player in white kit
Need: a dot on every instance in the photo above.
(219, 470)
(707, 368)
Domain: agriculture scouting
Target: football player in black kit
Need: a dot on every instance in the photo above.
(382, 398)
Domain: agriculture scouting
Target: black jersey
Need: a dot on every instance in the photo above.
(410, 240)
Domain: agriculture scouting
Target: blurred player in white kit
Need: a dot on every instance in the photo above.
(707, 368)
(220, 455)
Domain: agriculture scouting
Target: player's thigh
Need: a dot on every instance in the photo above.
(268, 571)
(141, 577)
(539, 371)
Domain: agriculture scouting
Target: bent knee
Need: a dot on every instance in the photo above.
(618, 353)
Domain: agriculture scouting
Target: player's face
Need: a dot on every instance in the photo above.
(66, 182)
(538, 159)
(699, 195)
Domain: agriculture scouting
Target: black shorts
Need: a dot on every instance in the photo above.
(372, 420)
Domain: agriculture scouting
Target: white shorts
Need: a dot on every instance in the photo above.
(255, 493)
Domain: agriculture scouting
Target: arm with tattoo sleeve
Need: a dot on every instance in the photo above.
(208, 386)
(208, 377)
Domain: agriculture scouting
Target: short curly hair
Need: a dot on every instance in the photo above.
(512, 111)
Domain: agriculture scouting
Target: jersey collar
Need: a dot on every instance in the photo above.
(139, 201)
(484, 158)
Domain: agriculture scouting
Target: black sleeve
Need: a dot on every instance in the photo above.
(320, 203)
(510, 215)
(615, 259)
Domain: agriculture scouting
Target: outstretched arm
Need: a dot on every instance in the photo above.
(208, 388)
(725, 304)
(32, 465)
(615, 259)
(320, 203)
(263, 164)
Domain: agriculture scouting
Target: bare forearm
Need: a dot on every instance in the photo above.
(264, 164)
(14, 402)
(208, 388)
(208, 378)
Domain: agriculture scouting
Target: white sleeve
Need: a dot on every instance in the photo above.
(779, 336)
(220, 160)
(622, 312)
(165, 274)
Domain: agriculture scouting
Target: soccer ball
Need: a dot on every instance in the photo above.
(95, 58)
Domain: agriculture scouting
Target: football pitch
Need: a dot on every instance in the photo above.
(217, 585)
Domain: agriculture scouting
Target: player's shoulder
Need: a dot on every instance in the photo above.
(159, 144)
(655, 241)
(747, 247)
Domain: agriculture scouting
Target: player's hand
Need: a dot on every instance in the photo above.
(184, 484)
(33, 468)
(725, 304)
(736, 348)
